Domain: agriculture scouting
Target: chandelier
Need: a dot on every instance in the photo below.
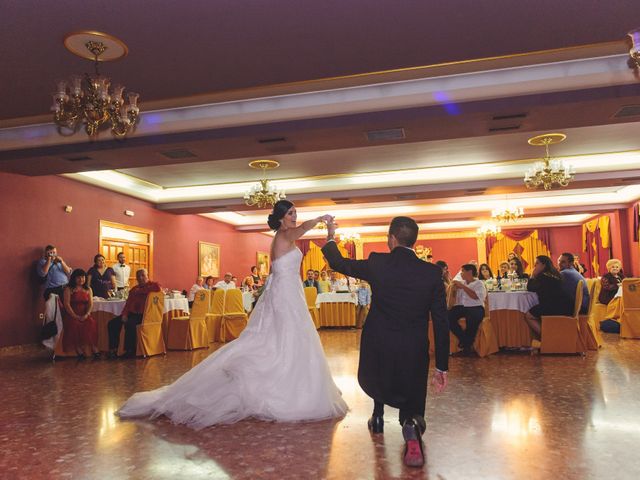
(89, 100)
(634, 52)
(548, 172)
(488, 230)
(263, 194)
(507, 214)
(349, 236)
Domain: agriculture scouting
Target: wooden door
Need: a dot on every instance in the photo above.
(136, 243)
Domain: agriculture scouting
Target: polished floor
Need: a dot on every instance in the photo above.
(509, 416)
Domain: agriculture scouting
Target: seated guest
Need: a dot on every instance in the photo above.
(547, 283)
(504, 270)
(470, 295)
(310, 281)
(511, 256)
(446, 275)
(131, 316)
(226, 283)
(316, 275)
(101, 278)
(484, 272)
(324, 286)
(255, 276)
(234, 280)
(334, 283)
(199, 285)
(515, 267)
(80, 329)
(611, 281)
(363, 293)
(248, 284)
(580, 267)
(209, 283)
(429, 258)
(52, 268)
(570, 279)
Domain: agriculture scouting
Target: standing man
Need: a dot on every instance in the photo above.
(570, 278)
(334, 283)
(123, 272)
(470, 296)
(54, 270)
(394, 348)
(311, 281)
(131, 316)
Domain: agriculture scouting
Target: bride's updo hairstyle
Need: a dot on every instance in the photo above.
(280, 209)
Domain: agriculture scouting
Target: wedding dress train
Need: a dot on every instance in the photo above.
(275, 370)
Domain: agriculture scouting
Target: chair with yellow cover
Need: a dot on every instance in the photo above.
(560, 333)
(189, 332)
(589, 329)
(597, 310)
(149, 333)
(310, 294)
(630, 319)
(234, 319)
(214, 317)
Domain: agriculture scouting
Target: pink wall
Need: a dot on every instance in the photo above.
(633, 266)
(455, 252)
(31, 215)
(566, 239)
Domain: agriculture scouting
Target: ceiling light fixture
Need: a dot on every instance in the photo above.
(88, 100)
(548, 172)
(349, 236)
(507, 213)
(634, 52)
(263, 194)
(488, 230)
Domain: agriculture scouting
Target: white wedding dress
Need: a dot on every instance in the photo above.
(275, 370)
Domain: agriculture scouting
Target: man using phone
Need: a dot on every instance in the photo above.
(54, 270)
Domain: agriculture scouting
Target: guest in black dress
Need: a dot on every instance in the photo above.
(515, 265)
(101, 278)
(547, 283)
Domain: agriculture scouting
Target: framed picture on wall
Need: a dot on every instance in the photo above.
(263, 262)
(208, 259)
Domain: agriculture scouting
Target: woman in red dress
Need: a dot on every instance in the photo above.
(80, 329)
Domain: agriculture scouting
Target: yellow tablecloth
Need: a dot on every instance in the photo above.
(337, 314)
(614, 309)
(510, 328)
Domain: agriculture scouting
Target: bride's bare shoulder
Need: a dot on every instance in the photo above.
(280, 246)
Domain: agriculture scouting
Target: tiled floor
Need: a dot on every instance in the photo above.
(510, 416)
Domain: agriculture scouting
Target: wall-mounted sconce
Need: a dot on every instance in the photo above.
(68, 208)
(129, 213)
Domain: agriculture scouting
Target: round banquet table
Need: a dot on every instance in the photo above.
(337, 309)
(506, 310)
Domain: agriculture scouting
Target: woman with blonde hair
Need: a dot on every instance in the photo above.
(611, 281)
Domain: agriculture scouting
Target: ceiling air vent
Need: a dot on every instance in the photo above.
(628, 111)
(82, 158)
(272, 140)
(385, 135)
(282, 149)
(341, 201)
(178, 153)
(505, 128)
(407, 196)
(509, 117)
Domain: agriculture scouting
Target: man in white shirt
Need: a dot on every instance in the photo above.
(470, 297)
(334, 283)
(226, 284)
(123, 271)
(199, 285)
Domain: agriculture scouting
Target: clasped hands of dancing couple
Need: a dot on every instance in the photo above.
(277, 371)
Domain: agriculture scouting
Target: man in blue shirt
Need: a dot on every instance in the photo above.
(570, 279)
(55, 272)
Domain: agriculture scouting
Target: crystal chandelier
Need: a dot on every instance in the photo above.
(89, 100)
(507, 214)
(548, 172)
(634, 52)
(263, 194)
(349, 236)
(488, 230)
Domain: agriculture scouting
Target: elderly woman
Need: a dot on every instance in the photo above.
(546, 281)
(199, 285)
(80, 329)
(249, 284)
(101, 278)
(611, 281)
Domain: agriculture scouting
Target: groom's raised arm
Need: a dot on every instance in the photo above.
(346, 266)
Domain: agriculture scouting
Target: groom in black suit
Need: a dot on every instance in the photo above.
(394, 348)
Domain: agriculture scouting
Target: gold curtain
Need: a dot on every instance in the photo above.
(314, 260)
(531, 247)
(603, 225)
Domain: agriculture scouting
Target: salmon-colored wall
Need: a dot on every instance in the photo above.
(32, 216)
(633, 266)
(566, 239)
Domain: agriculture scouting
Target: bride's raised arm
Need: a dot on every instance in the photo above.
(294, 234)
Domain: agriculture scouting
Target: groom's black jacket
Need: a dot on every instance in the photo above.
(394, 350)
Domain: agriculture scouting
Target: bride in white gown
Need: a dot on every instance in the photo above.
(275, 370)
